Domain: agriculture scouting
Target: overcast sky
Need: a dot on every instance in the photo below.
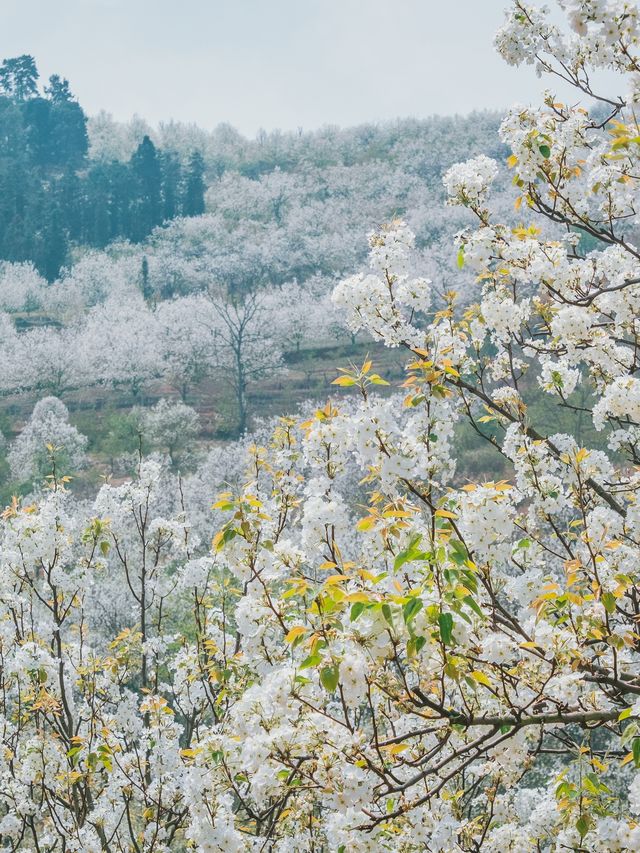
(270, 63)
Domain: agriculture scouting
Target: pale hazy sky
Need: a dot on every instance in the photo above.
(270, 63)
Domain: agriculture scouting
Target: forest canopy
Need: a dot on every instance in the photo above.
(52, 196)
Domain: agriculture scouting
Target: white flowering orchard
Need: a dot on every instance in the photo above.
(448, 666)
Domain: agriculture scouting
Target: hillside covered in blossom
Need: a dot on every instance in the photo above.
(226, 287)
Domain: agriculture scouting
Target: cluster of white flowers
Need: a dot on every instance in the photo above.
(557, 376)
(524, 33)
(47, 435)
(385, 302)
(468, 183)
(621, 400)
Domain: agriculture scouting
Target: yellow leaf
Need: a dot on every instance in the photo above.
(621, 142)
(190, 753)
(481, 678)
(295, 632)
(330, 581)
(367, 575)
(219, 504)
(444, 513)
(357, 597)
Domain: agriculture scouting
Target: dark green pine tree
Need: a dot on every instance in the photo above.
(58, 90)
(122, 199)
(68, 139)
(97, 208)
(194, 189)
(21, 199)
(147, 290)
(147, 212)
(19, 77)
(171, 177)
(13, 136)
(36, 113)
(69, 198)
(52, 244)
(16, 181)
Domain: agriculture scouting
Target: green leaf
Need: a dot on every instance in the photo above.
(582, 825)
(386, 612)
(411, 608)
(229, 534)
(329, 677)
(73, 753)
(635, 749)
(609, 601)
(629, 732)
(414, 645)
(410, 553)
(545, 151)
(460, 258)
(445, 621)
(458, 552)
(356, 610)
(473, 604)
(312, 660)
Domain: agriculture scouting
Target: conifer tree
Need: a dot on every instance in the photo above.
(148, 178)
(19, 77)
(194, 186)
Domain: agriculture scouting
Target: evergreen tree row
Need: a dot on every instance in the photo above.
(52, 196)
